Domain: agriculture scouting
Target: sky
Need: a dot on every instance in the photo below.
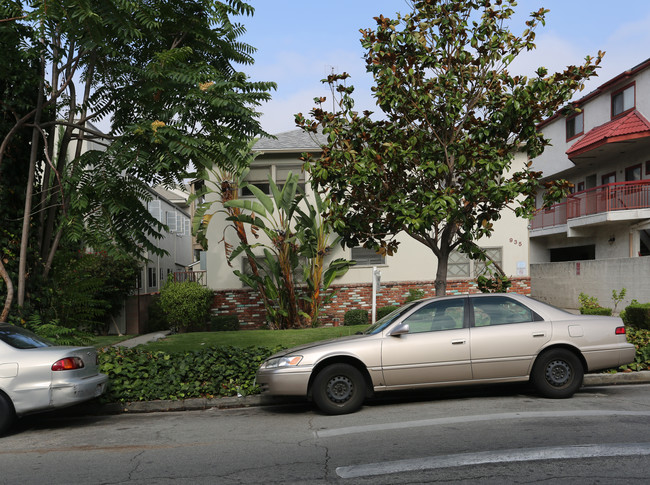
(300, 42)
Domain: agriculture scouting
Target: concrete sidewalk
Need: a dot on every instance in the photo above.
(142, 339)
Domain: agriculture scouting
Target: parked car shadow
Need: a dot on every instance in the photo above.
(67, 418)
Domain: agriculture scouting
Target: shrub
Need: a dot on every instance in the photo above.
(637, 316)
(356, 317)
(493, 284)
(596, 311)
(157, 319)
(641, 341)
(186, 304)
(587, 301)
(139, 375)
(385, 310)
(414, 294)
(224, 323)
(589, 306)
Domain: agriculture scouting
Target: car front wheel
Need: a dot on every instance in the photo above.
(7, 414)
(339, 389)
(557, 374)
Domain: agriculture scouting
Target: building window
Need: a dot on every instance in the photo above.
(575, 126)
(632, 174)
(170, 220)
(460, 266)
(609, 178)
(622, 100)
(647, 167)
(259, 177)
(366, 257)
(581, 186)
(151, 277)
(481, 268)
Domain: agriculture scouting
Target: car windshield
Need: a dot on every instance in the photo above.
(21, 338)
(388, 319)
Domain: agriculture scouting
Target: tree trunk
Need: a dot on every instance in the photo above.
(27, 216)
(441, 274)
(10, 292)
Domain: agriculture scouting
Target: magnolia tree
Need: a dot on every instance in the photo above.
(436, 164)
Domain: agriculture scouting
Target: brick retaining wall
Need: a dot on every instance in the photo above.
(246, 304)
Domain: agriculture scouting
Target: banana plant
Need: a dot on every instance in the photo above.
(225, 184)
(316, 243)
(297, 241)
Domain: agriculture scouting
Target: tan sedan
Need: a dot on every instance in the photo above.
(448, 341)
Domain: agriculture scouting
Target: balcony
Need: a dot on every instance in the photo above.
(603, 202)
(199, 277)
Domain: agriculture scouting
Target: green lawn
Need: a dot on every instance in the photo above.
(247, 338)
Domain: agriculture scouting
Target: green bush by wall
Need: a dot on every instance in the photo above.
(637, 315)
(224, 323)
(385, 310)
(356, 317)
(596, 311)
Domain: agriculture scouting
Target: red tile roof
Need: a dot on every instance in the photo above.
(632, 125)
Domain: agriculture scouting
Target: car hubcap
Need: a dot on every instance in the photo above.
(339, 389)
(558, 373)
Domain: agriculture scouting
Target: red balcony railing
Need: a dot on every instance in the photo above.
(604, 198)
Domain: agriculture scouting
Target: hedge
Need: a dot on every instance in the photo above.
(385, 310)
(224, 323)
(637, 315)
(356, 317)
(596, 311)
(138, 375)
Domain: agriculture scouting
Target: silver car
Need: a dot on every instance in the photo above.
(36, 375)
(449, 341)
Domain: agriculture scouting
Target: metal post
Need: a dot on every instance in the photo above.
(376, 279)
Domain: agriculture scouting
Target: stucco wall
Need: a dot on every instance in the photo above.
(560, 283)
(412, 261)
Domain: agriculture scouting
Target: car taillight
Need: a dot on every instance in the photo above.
(620, 330)
(69, 363)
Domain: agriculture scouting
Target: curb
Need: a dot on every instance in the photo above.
(640, 377)
(198, 404)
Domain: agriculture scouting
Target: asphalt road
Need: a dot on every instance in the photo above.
(503, 435)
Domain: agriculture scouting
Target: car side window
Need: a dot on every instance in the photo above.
(500, 310)
(437, 316)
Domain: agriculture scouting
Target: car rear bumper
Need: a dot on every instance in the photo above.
(609, 358)
(79, 390)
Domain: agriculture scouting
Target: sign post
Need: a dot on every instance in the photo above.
(376, 284)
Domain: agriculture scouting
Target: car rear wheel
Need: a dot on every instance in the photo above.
(339, 389)
(557, 374)
(7, 414)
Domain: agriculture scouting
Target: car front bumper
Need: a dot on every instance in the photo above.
(283, 381)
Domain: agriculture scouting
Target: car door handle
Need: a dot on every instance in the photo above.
(458, 342)
(539, 334)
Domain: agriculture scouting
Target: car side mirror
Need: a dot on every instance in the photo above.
(399, 329)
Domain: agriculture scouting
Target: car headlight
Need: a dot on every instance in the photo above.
(287, 361)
